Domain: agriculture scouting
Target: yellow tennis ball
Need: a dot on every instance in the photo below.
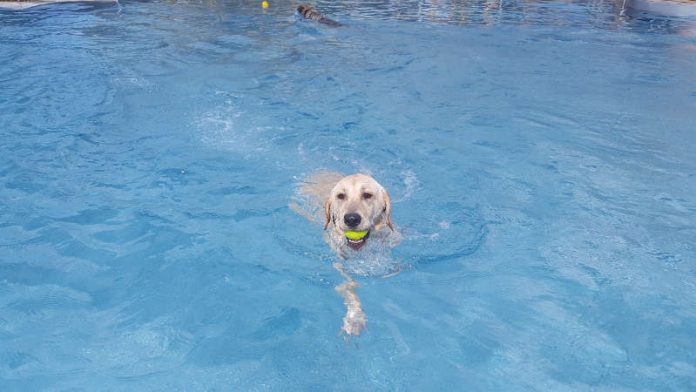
(264, 4)
(356, 235)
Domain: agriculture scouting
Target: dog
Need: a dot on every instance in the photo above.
(356, 203)
(347, 203)
(308, 12)
(350, 203)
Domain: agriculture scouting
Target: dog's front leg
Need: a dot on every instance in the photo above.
(355, 320)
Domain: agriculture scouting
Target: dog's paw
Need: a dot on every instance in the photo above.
(354, 323)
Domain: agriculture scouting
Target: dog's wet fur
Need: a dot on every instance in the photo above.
(309, 12)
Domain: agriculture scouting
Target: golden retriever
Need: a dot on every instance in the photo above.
(349, 203)
(356, 203)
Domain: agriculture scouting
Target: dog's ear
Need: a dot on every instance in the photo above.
(327, 212)
(387, 208)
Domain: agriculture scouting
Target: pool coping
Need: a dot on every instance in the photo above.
(21, 5)
(678, 8)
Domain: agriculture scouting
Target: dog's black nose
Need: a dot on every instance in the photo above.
(352, 219)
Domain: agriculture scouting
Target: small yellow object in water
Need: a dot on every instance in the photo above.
(355, 235)
(264, 4)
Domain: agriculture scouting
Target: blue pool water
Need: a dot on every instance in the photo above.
(540, 158)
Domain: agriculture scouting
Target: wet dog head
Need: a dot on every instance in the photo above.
(357, 203)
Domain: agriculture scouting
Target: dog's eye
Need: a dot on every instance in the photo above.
(367, 195)
(341, 196)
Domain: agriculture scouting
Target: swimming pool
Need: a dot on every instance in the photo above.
(540, 159)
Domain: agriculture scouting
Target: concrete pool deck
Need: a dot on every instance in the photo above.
(20, 5)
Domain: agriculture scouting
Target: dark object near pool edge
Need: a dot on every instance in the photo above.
(308, 12)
